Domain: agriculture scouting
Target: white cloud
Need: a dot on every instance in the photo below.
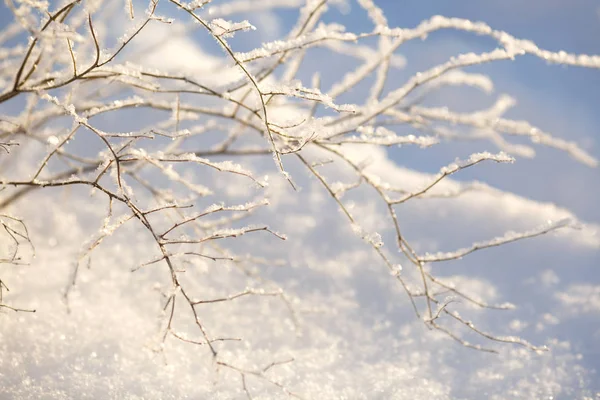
(580, 298)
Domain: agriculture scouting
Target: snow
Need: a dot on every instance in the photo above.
(106, 346)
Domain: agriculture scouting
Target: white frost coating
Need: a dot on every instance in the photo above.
(223, 166)
(511, 44)
(474, 159)
(453, 168)
(385, 46)
(295, 89)
(194, 5)
(132, 81)
(322, 33)
(511, 127)
(372, 238)
(227, 29)
(396, 270)
(235, 232)
(508, 237)
(168, 171)
(459, 77)
(231, 232)
(228, 166)
(60, 31)
(133, 101)
(375, 13)
(339, 188)
(52, 140)
(212, 208)
(241, 207)
(395, 97)
(109, 229)
(385, 137)
(500, 107)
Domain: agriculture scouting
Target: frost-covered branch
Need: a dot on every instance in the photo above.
(508, 237)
